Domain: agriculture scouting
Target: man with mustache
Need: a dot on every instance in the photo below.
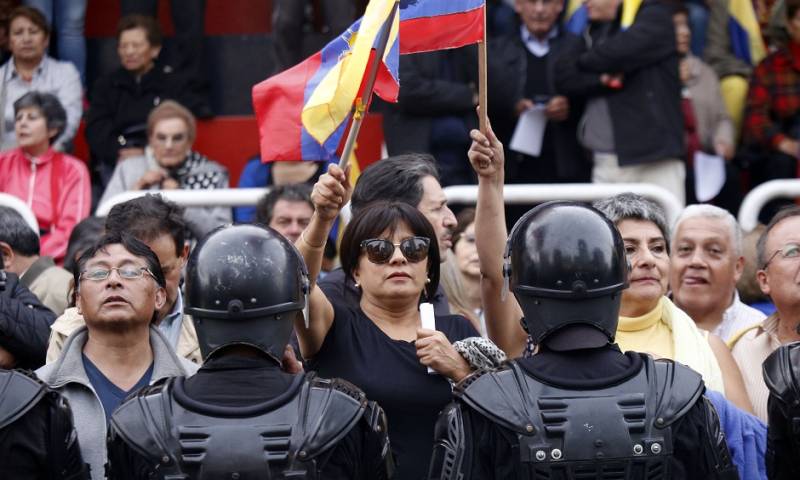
(706, 263)
(119, 289)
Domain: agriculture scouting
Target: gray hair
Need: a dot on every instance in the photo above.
(16, 232)
(761, 245)
(712, 211)
(54, 114)
(630, 206)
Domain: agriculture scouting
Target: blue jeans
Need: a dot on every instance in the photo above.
(67, 18)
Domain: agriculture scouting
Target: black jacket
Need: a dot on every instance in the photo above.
(424, 95)
(119, 102)
(508, 69)
(24, 324)
(646, 112)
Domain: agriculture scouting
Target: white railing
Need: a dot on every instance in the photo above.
(223, 197)
(759, 196)
(11, 201)
(579, 192)
(457, 194)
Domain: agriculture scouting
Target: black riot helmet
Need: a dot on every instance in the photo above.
(244, 285)
(567, 265)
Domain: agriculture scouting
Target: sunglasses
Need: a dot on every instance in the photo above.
(379, 250)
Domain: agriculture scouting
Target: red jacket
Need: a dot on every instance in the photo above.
(57, 188)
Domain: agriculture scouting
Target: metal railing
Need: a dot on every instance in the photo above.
(457, 194)
(579, 192)
(11, 201)
(758, 197)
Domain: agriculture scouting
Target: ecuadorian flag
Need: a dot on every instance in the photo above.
(746, 40)
(303, 112)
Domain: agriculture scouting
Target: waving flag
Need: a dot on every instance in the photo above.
(746, 40)
(304, 111)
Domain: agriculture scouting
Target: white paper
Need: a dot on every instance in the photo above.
(709, 175)
(428, 320)
(528, 134)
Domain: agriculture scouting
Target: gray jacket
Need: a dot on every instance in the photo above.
(67, 376)
(198, 172)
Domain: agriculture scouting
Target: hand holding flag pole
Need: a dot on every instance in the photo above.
(360, 106)
(483, 96)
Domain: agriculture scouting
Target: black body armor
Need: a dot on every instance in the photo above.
(782, 375)
(288, 437)
(20, 392)
(615, 432)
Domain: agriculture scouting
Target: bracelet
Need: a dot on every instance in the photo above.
(315, 247)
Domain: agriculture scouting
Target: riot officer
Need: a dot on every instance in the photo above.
(579, 407)
(241, 416)
(782, 376)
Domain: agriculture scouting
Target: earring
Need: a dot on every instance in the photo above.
(355, 284)
(428, 280)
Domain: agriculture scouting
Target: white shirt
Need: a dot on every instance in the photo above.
(538, 48)
(736, 318)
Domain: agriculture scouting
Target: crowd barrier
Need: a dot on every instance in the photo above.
(760, 195)
(11, 201)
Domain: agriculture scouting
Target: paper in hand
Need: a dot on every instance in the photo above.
(529, 132)
(428, 320)
(709, 175)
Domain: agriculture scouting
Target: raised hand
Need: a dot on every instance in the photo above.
(331, 192)
(486, 153)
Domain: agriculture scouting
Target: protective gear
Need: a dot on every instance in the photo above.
(244, 285)
(20, 394)
(782, 375)
(615, 431)
(288, 437)
(566, 262)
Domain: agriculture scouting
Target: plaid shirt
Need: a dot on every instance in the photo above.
(774, 98)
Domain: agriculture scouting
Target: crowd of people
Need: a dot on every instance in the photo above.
(410, 342)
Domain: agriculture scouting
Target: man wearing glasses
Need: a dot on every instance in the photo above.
(778, 254)
(119, 289)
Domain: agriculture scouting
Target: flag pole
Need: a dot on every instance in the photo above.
(360, 107)
(483, 97)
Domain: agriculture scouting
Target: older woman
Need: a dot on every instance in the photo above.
(30, 69)
(170, 163)
(121, 100)
(55, 185)
(390, 251)
(649, 321)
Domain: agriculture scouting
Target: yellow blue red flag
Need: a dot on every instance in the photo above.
(746, 40)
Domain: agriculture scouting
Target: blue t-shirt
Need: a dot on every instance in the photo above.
(389, 372)
(111, 396)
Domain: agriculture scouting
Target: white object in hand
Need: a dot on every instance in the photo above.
(428, 321)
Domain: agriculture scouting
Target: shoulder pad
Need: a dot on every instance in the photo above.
(449, 447)
(781, 370)
(18, 394)
(677, 389)
(142, 421)
(332, 408)
(500, 395)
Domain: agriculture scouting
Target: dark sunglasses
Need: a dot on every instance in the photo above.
(379, 250)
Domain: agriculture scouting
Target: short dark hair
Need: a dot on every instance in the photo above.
(394, 179)
(148, 24)
(17, 233)
(378, 217)
(131, 244)
(84, 235)
(35, 16)
(147, 218)
(54, 114)
(761, 245)
(294, 192)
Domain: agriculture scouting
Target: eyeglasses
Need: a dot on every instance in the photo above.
(790, 250)
(125, 273)
(378, 250)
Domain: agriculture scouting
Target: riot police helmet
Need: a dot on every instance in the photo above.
(245, 285)
(567, 266)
